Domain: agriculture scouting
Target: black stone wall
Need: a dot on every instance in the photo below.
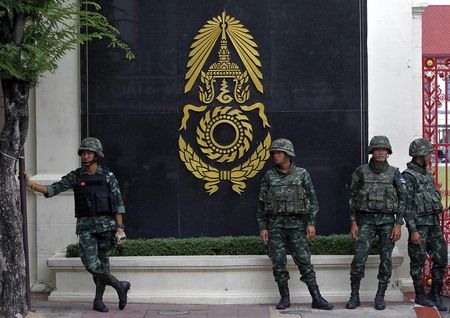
(313, 55)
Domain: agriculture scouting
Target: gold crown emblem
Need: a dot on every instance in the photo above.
(224, 108)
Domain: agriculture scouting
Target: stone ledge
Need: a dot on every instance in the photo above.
(232, 279)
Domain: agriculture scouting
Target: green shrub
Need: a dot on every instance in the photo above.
(337, 244)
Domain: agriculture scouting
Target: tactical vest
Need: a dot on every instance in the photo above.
(286, 194)
(377, 193)
(92, 195)
(427, 200)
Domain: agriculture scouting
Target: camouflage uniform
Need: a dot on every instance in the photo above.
(423, 206)
(96, 233)
(95, 230)
(287, 205)
(373, 223)
(287, 224)
(377, 204)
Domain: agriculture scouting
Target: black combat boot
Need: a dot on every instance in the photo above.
(354, 300)
(122, 287)
(285, 301)
(379, 297)
(435, 295)
(421, 297)
(98, 300)
(318, 301)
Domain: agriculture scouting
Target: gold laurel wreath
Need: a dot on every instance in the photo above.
(251, 167)
(213, 176)
(198, 168)
(245, 137)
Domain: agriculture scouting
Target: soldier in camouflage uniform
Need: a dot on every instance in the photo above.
(376, 210)
(98, 208)
(287, 207)
(423, 206)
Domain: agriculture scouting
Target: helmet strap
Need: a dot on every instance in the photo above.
(88, 163)
(420, 160)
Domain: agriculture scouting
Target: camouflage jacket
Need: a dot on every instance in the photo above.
(293, 206)
(358, 183)
(423, 201)
(95, 224)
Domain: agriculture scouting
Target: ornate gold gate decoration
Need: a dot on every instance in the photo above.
(224, 95)
(436, 127)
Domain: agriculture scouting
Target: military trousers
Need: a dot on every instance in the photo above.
(433, 243)
(368, 233)
(282, 240)
(95, 249)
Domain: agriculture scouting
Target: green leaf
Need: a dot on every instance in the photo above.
(52, 30)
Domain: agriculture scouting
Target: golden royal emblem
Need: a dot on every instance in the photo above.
(224, 93)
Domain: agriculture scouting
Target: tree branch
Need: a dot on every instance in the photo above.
(5, 28)
(19, 28)
(13, 134)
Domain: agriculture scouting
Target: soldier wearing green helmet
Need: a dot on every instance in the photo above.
(287, 208)
(284, 145)
(99, 209)
(376, 210)
(423, 206)
(91, 144)
(381, 142)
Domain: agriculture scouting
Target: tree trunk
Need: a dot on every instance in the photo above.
(12, 257)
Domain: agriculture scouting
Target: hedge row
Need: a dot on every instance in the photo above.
(337, 244)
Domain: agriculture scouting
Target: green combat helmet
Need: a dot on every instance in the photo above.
(283, 144)
(420, 147)
(379, 142)
(91, 144)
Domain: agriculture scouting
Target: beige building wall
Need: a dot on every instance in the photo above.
(389, 43)
(51, 152)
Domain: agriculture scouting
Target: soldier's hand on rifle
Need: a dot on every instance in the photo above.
(120, 235)
(396, 232)
(415, 238)
(310, 232)
(354, 230)
(264, 235)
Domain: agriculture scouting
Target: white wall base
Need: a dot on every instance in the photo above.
(405, 284)
(216, 279)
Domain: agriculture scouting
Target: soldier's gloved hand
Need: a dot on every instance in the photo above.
(264, 235)
(27, 180)
(310, 232)
(120, 235)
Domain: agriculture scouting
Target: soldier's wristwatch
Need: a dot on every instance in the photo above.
(120, 226)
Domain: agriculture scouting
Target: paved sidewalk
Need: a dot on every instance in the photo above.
(45, 309)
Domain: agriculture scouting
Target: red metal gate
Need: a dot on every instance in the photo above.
(435, 104)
